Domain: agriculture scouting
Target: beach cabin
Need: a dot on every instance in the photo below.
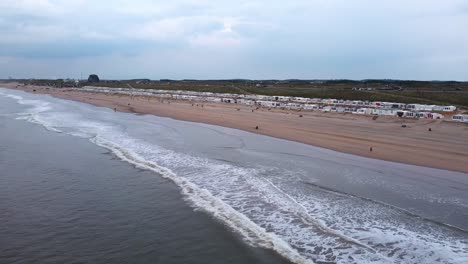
(460, 118)
(364, 111)
(326, 109)
(438, 108)
(268, 103)
(434, 116)
(382, 105)
(416, 107)
(227, 100)
(245, 102)
(340, 109)
(409, 114)
(424, 114)
(385, 112)
(419, 115)
(398, 106)
(300, 99)
(360, 111)
(310, 107)
(213, 99)
(449, 108)
(294, 106)
(282, 98)
(428, 107)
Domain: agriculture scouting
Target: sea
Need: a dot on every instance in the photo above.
(84, 184)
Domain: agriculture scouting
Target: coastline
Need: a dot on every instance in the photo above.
(445, 147)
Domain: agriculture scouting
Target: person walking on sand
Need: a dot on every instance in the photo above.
(370, 149)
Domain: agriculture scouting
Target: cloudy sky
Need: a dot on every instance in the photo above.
(258, 39)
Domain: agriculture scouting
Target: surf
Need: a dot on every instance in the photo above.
(266, 206)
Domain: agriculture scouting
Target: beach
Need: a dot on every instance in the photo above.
(64, 201)
(444, 147)
(188, 192)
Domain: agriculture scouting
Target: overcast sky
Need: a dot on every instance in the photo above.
(257, 39)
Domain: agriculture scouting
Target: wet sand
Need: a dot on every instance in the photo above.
(445, 147)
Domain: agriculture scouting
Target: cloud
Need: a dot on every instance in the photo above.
(270, 39)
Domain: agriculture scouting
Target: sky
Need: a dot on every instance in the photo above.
(254, 39)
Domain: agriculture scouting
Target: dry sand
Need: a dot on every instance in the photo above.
(445, 147)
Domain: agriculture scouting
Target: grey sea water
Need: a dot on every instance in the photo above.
(80, 183)
(66, 200)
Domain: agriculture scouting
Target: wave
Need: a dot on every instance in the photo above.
(204, 200)
(269, 207)
(412, 214)
(198, 197)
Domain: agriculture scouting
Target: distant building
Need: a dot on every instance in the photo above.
(93, 78)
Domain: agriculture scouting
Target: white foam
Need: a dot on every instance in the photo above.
(204, 200)
(270, 207)
(198, 197)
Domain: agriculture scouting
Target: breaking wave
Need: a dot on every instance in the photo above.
(270, 207)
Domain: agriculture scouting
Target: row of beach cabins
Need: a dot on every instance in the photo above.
(297, 103)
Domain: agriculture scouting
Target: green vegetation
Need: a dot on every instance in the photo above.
(424, 92)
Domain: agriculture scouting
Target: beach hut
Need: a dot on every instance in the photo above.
(349, 110)
(326, 109)
(438, 108)
(283, 98)
(460, 118)
(390, 112)
(340, 109)
(449, 108)
(294, 106)
(300, 99)
(434, 116)
(409, 114)
(310, 107)
(364, 111)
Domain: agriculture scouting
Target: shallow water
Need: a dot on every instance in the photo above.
(306, 203)
(65, 200)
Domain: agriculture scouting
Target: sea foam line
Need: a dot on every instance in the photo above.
(200, 198)
(393, 207)
(306, 218)
(204, 200)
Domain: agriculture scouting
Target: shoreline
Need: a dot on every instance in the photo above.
(445, 147)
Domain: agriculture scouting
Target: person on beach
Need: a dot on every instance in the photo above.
(370, 149)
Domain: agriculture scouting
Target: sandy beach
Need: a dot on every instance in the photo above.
(445, 147)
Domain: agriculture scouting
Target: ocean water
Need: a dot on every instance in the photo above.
(65, 200)
(199, 193)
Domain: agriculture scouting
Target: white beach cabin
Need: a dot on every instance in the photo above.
(460, 118)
